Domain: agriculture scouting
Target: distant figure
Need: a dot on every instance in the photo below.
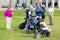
(8, 15)
(23, 5)
(50, 14)
(16, 5)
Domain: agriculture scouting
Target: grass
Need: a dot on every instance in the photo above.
(22, 13)
(19, 34)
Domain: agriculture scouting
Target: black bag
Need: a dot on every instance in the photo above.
(22, 25)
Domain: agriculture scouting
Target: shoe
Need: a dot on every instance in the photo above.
(37, 36)
(28, 31)
(50, 24)
(8, 29)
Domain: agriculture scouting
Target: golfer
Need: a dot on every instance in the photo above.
(50, 14)
(8, 15)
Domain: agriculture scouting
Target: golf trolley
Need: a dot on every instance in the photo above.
(35, 24)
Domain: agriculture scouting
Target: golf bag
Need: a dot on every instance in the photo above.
(22, 25)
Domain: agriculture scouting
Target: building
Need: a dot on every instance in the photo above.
(12, 3)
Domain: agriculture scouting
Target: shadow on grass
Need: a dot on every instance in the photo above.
(26, 36)
(18, 30)
(2, 29)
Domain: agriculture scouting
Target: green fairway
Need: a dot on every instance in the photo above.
(19, 34)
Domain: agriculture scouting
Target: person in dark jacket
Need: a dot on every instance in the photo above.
(40, 11)
(28, 12)
(28, 15)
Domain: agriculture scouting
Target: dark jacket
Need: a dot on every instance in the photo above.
(39, 11)
(27, 13)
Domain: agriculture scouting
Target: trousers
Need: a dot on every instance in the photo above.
(8, 22)
(50, 17)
